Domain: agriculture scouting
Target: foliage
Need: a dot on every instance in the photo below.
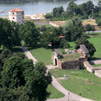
(72, 7)
(20, 80)
(73, 29)
(48, 16)
(58, 11)
(29, 34)
(89, 27)
(4, 55)
(64, 43)
(12, 73)
(45, 39)
(98, 21)
(83, 11)
(51, 37)
(16, 94)
(9, 34)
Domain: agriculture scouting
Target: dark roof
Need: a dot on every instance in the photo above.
(58, 51)
(84, 49)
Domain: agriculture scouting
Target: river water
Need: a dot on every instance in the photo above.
(36, 7)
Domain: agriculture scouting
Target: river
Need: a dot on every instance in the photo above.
(36, 7)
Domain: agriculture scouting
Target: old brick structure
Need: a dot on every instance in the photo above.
(57, 60)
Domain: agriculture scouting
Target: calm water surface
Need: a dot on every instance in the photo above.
(36, 7)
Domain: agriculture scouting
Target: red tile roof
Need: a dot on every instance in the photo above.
(61, 36)
(15, 10)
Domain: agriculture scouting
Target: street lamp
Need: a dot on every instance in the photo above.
(68, 95)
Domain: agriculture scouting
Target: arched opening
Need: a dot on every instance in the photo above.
(55, 62)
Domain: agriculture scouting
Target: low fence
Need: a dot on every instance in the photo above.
(90, 68)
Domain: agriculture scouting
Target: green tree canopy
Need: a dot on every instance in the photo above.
(9, 34)
(89, 28)
(72, 7)
(29, 34)
(20, 80)
(73, 29)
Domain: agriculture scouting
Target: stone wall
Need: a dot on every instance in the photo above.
(90, 68)
(70, 64)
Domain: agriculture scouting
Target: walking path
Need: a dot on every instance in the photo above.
(69, 96)
(29, 55)
(93, 31)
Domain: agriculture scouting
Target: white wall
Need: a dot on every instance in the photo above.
(17, 17)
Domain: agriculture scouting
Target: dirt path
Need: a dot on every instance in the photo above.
(69, 96)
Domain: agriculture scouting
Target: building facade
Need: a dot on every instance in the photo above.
(16, 15)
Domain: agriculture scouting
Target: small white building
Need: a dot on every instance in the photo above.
(16, 15)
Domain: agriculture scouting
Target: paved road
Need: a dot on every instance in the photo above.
(69, 96)
(94, 32)
(28, 54)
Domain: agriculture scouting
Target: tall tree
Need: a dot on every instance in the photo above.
(29, 34)
(9, 34)
(20, 80)
(72, 7)
(73, 29)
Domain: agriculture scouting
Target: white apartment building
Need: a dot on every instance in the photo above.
(16, 15)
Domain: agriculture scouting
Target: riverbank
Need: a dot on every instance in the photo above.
(40, 6)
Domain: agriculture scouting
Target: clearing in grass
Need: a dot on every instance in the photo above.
(42, 54)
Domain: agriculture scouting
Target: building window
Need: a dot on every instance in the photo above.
(13, 17)
(12, 13)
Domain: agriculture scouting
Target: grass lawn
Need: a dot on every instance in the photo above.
(54, 93)
(42, 54)
(97, 65)
(47, 25)
(80, 81)
(96, 42)
(93, 34)
(72, 45)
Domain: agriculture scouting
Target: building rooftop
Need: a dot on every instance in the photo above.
(16, 10)
(84, 49)
(61, 36)
(58, 51)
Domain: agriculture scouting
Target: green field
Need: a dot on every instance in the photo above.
(42, 54)
(96, 42)
(80, 81)
(47, 25)
(97, 65)
(72, 45)
(54, 93)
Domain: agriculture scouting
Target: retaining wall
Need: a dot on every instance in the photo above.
(90, 68)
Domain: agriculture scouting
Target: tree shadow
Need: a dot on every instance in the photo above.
(17, 49)
(38, 46)
(93, 59)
